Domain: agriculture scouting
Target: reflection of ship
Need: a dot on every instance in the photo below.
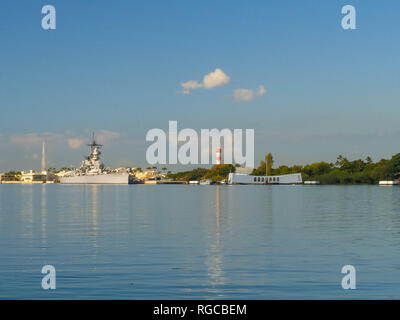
(92, 170)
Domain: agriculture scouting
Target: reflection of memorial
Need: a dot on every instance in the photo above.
(217, 209)
(214, 259)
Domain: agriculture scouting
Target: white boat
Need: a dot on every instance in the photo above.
(388, 183)
(314, 182)
(205, 182)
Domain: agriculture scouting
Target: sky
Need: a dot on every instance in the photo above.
(287, 69)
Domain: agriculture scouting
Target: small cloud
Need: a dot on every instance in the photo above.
(34, 139)
(26, 139)
(211, 80)
(104, 136)
(261, 91)
(215, 79)
(247, 94)
(243, 94)
(34, 156)
(75, 143)
(190, 85)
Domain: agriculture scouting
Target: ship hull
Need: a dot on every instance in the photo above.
(112, 178)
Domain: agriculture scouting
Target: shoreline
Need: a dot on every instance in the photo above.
(189, 184)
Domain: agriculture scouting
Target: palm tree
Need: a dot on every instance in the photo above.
(269, 161)
(339, 161)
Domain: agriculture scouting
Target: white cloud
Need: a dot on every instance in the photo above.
(34, 156)
(75, 143)
(34, 139)
(190, 85)
(247, 94)
(261, 91)
(104, 136)
(72, 140)
(210, 80)
(243, 94)
(215, 79)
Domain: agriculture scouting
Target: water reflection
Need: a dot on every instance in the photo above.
(217, 209)
(214, 258)
(94, 213)
(27, 210)
(242, 241)
(43, 222)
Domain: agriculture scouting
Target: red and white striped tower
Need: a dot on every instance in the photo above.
(218, 155)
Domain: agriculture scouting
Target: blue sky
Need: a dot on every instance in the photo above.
(115, 67)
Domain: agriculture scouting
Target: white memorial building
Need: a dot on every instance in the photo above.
(241, 178)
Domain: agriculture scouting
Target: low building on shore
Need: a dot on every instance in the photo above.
(150, 174)
(7, 177)
(62, 173)
(32, 176)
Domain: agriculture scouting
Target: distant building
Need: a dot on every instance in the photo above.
(239, 178)
(62, 173)
(218, 155)
(123, 169)
(148, 174)
(32, 176)
(244, 170)
(44, 176)
(7, 177)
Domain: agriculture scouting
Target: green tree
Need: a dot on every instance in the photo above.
(392, 167)
(339, 161)
(260, 171)
(269, 162)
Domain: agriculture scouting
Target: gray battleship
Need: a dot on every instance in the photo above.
(92, 170)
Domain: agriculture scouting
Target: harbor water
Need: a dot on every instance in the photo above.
(199, 242)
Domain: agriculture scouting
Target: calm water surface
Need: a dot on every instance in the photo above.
(212, 242)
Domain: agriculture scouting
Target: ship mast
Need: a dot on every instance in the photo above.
(94, 149)
(93, 144)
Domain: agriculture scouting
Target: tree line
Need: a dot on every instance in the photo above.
(342, 171)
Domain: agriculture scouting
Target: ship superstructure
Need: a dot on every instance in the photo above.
(92, 170)
(91, 164)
